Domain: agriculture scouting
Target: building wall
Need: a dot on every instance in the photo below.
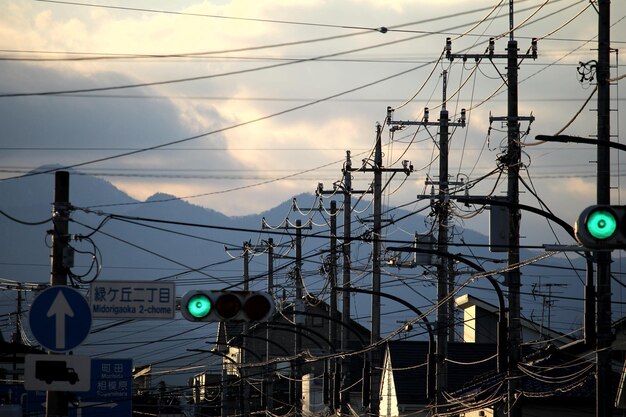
(481, 323)
(312, 394)
(480, 326)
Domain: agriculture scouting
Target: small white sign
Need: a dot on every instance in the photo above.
(132, 300)
(57, 373)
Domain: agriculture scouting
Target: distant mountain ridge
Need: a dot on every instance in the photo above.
(200, 252)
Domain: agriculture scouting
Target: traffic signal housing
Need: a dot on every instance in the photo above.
(602, 227)
(238, 306)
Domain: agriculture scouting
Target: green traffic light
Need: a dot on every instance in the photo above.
(199, 306)
(601, 224)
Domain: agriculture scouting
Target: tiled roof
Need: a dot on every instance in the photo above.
(556, 378)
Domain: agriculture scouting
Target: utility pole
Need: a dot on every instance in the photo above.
(375, 356)
(345, 276)
(346, 189)
(298, 317)
(269, 391)
(377, 189)
(513, 162)
(604, 336)
(333, 397)
(377, 169)
(443, 314)
(245, 385)
(443, 265)
(56, 401)
(331, 370)
(513, 274)
(17, 336)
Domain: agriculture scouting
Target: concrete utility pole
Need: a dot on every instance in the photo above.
(604, 401)
(345, 276)
(441, 378)
(443, 266)
(513, 162)
(245, 386)
(346, 189)
(332, 372)
(56, 401)
(375, 357)
(17, 336)
(513, 274)
(269, 391)
(377, 169)
(298, 316)
(333, 397)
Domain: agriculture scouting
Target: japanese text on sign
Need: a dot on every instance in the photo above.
(139, 299)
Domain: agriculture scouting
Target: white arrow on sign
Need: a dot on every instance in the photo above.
(81, 404)
(97, 404)
(60, 308)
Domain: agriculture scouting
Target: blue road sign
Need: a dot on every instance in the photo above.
(111, 390)
(31, 403)
(60, 318)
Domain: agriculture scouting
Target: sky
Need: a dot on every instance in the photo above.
(239, 105)
(246, 104)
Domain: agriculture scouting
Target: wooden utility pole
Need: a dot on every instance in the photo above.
(56, 401)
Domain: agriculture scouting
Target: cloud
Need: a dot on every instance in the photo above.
(319, 134)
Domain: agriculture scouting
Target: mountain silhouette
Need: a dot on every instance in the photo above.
(168, 238)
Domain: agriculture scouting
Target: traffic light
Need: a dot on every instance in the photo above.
(242, 306)
(602, 227)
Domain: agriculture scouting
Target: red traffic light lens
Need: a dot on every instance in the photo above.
(227, 306)
(257, 307)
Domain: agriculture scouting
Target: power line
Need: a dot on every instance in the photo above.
(236, 72)
(213, 16)
(224, 129)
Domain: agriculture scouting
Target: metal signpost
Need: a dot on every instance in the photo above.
(132, 300)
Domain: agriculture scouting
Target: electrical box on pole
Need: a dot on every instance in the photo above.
(499, 227)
